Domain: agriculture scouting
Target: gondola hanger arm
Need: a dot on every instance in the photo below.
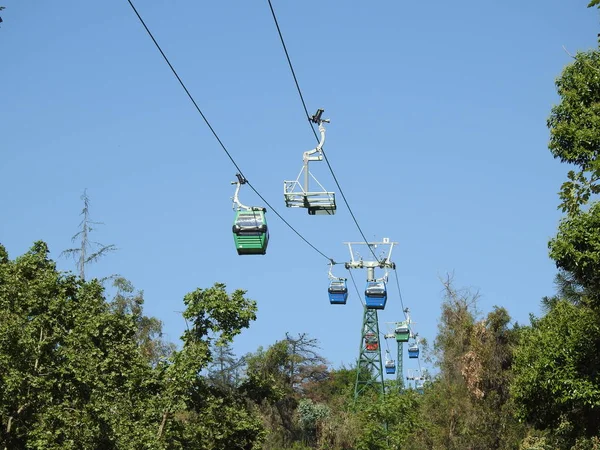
(236, 201)
(319, 148)
(330, 273)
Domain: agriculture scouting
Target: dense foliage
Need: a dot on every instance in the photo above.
(78, 372)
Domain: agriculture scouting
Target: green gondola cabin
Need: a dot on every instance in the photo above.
(402, 333)
(250, 232)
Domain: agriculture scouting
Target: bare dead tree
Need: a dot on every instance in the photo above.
(88, 251)
(305, 362)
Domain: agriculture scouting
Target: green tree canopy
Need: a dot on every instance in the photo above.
(557, 372)
(576, 250)
(575, 129)
(77, 371)
(67, 363)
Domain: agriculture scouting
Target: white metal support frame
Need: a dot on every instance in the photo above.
(414, 374)
(298, 195)
(332, 276)
(237, 205)
(388, 358)
(236, 201)
(391, 326)
(384, 263)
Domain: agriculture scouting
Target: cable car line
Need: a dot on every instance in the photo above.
(287, 55)
(183, 86)
(308, 116)
(399, 292)
(288, 224)
(418, 358)
(356, 287)
(217, 137)
(405, 316)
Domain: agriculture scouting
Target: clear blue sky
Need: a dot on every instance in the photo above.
(438, 137)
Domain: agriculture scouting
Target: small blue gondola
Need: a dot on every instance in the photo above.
(419, 386)
(413, 351)
(375, 295)
(390, 366)
(338, 292)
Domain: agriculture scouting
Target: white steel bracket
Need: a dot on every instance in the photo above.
(299, 195)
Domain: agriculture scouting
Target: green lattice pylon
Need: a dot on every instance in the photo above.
(400, 367)
(369, 370)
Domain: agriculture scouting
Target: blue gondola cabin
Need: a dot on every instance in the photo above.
(390, 367)
(338, 292)
(413, 351)
(375, 295)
